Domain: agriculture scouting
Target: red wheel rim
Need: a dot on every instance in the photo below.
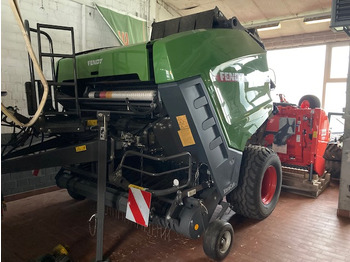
(269, 184)
(305, 104)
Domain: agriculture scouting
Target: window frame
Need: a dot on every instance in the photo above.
(327, 69)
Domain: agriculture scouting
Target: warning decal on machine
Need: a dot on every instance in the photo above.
(138, 206)
(80, 148)
(91, 122)
(185, 133)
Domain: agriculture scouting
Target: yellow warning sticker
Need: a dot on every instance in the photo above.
(182, 121)
(138, 187)
(186, 137)
(92, 122)
(314, 135)
(80, 148)
(185, 133)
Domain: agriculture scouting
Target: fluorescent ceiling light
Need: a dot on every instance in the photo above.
(316, 20)
(269, 27)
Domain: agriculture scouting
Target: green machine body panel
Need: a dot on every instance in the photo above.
(231, 63)
(234, 69)
(116, 61)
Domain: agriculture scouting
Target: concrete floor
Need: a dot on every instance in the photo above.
(300, 229)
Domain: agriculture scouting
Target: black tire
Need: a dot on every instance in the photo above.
(75, 196)
(218, 239)
(333, 167)
(259, 185)
(313, 101)
(333, 152)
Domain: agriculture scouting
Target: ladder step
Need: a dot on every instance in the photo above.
(61, 83)
(68, 28)
(57, 55)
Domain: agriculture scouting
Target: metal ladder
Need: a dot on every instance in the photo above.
(51, 106)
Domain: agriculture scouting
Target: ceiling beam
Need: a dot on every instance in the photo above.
(264, 22)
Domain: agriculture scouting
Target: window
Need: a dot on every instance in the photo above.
(340, 61)
(317, 70)
(334, 94)
(299, 71)
(335, 97)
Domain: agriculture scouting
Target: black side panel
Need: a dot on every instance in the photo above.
(191, 98)
(172, 27)
(204, 20)
(187, 23)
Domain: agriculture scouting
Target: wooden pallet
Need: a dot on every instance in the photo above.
(297, 181)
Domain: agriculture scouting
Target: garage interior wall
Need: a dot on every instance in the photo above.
(89, 28)
(90, 32)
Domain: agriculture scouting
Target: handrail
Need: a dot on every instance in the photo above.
(160, 192)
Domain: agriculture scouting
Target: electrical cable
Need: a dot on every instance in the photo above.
(16, 12)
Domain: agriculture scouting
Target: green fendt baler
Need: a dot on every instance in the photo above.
(182, 111)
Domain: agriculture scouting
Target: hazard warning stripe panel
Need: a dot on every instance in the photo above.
(139, 202)
(135, 212)
(147, 197)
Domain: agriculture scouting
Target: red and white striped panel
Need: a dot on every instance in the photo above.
(139, 202)
(35, 172)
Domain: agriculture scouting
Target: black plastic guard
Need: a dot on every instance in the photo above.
(191, 98)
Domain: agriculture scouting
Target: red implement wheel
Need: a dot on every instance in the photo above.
(269, 184)
(309, 101)
(259, 183)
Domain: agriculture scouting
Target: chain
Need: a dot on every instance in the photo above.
(205, 208)
(92, 231)
(196, 176)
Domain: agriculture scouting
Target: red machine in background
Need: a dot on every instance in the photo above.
(300, 134)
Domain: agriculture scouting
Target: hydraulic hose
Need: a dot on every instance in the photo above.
(16, 12)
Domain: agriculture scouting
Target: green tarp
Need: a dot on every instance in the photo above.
(128, 30)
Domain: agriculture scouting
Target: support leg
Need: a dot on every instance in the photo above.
(102, 118)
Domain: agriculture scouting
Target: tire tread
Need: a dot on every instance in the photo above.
(243, 198)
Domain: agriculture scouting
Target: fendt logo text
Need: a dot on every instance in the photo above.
(95, 62)
(229, 77)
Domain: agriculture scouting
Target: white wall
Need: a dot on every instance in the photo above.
(163, 11)
(89, 28)
(90, 32)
